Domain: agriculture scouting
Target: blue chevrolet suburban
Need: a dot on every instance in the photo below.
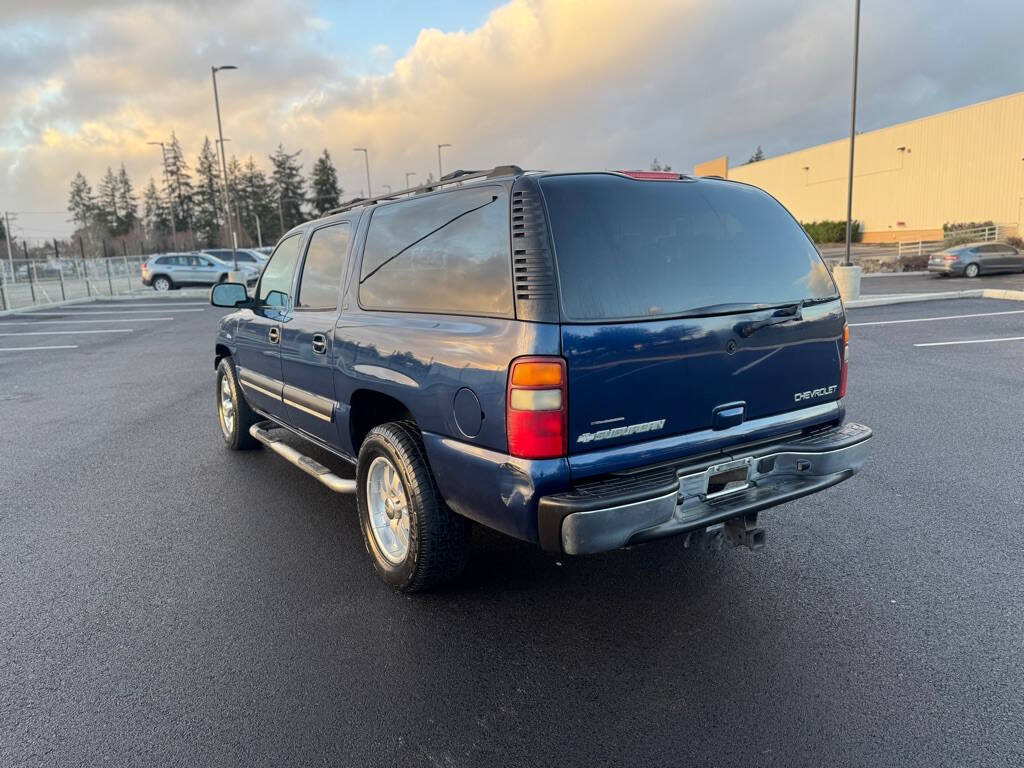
(580, 360)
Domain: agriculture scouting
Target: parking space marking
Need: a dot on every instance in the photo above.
(968, 341)
(68, 333)
(944, 317)
(33, 349)
(83, 322)
(134, 311)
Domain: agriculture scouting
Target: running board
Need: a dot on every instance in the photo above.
(300, 460)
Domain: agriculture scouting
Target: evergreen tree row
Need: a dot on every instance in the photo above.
(183, 211)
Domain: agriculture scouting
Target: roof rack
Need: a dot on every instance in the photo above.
(455, 177)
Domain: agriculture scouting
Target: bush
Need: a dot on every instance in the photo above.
(951, 240)
(913, 263)
(832, 231)
(1016, 242)
(959, 226)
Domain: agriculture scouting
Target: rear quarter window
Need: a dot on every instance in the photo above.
(629, 249)
(447, 253)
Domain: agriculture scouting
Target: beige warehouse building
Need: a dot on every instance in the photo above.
(909, 179)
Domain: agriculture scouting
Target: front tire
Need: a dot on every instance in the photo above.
(414, 540)
(233, 412)
(971, 270)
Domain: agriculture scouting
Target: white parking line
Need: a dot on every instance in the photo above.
(83, 322)
(969, 341)
(88, 312)
(67, 333)
(944, 317)
(33, 349)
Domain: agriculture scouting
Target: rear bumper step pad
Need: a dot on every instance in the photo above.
(667, 501)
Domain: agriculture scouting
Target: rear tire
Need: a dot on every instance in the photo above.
(162, 284)
(971, 270)
(414, 540)
(233, 412)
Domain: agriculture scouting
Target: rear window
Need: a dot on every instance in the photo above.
(628, 249)
(447, 253)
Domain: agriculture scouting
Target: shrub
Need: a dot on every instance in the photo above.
(1016, 242)
(959, 226)
(832, 231)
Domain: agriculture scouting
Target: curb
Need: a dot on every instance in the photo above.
(918, 273)
(135, 295)
(909, 298)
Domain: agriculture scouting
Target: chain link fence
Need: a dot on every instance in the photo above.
(26, 282)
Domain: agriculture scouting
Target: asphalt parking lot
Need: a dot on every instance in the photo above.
(167, 602)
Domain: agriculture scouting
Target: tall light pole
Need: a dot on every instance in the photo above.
(170, 196)
(366, 157)
(853, 132)
(224, 162)
(411, 173)
(440, 172)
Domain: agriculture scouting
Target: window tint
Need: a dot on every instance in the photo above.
(326, 257)
(165, 261)
(443, 253)
(642, 249)
(276, 283)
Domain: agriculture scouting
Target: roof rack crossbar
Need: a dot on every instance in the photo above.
(455, 177)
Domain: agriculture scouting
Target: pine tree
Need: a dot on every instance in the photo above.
(156, 218)
(106, 202)
(80, 202)
(290, 186)
(324, 183)
(207, 196)
(656, 166)
(178, 185)
(757, 157)
(127, 204)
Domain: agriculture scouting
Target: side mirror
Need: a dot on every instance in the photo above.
(229, 295)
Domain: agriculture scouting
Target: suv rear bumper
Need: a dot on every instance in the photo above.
(665, 501)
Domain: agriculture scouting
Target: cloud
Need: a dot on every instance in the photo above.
(542, 83)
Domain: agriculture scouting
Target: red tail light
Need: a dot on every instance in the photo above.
(845, 361)
(536, 408)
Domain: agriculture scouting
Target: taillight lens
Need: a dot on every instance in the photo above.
(845, 363)
(536, 408)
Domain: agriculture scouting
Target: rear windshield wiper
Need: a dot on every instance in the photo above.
(779, 316)
(786, 314)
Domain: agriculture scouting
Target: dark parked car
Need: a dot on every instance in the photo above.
(580, 360)
(975, 259)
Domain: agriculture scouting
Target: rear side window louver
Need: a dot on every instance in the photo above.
(532, 267)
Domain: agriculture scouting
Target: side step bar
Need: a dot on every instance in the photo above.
(300, 460)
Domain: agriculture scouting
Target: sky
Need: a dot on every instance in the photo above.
(555, 84)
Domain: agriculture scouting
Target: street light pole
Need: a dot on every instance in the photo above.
(224, 162)
(366, 157)
(440, 173)
(170, 198)
(10, 255)
(853, 131)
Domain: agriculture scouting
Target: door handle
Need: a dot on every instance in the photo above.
(274, 335)
(319, 344)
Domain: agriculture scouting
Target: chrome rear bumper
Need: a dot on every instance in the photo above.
(667, 501)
